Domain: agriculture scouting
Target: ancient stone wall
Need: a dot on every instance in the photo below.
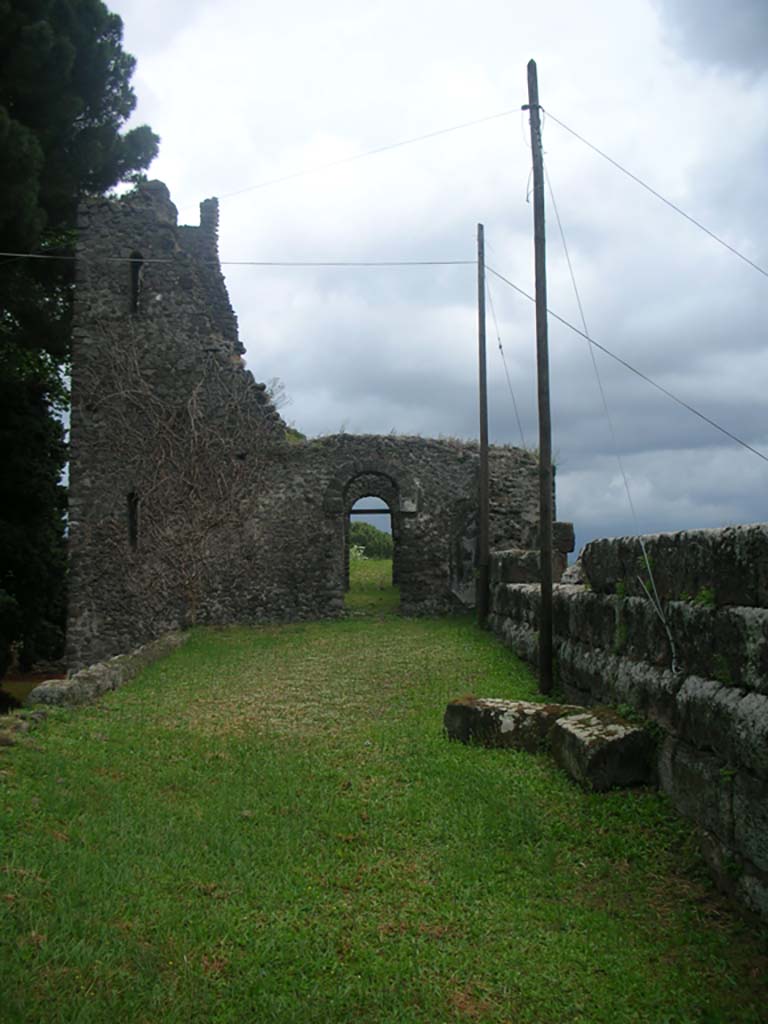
(188, 501)
(166, 424)
(700, 672)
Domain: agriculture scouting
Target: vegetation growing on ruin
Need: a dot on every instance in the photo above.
(270, 826)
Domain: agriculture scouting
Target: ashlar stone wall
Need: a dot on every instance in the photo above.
(700, 672)
(189, 502)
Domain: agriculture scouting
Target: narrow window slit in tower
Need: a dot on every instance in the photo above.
(133, 519)
(136, 265)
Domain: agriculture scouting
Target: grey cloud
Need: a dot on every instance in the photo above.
(731, 34)
(673, 490)
(375, 350)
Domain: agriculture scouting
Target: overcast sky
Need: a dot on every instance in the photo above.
(675, 90)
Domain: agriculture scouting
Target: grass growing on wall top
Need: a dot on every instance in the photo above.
(269, 826)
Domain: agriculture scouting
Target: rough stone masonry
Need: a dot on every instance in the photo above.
(189, 500)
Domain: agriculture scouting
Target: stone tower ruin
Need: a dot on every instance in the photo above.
(189, 500)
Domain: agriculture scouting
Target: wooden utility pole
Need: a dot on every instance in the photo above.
(542, 361)
(484, 558)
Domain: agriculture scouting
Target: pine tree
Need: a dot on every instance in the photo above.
(65, 96)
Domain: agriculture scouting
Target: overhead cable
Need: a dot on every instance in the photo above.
(368, 152)
(247, 263)
(659, 196)
(504, 361)
(653, 593)
(632, 369)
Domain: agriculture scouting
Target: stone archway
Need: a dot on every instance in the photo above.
(374, 485)
(381, 479)
(407, 488)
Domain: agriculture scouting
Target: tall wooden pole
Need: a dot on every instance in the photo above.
(542, 360)
(483, 560)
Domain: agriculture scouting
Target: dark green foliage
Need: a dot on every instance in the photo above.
(10, 624)
(65, 94)
(375, 543)
(32, 506)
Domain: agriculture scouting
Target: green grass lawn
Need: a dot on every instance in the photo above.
(371, 591)
(269, 826)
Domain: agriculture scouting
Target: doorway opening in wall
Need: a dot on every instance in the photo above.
(371, 557)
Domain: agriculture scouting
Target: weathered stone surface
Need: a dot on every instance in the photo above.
(651, 691)
(515, 565)
(503, 723)
(705, 714)
(752, 887)
(522, 565)
(601, 751)
(89, 683)
(731, 723)
(585, 677)
(598, 749)
(13, 723)
(523, 640)
(729, 645)
(724, 867)
(574, 574)
(750, 734)
(735, 875)
(700, 789)
(719, 567)
(563, 537)
(665, 753)
(750, 818)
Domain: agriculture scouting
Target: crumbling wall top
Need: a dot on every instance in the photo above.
(155, 195)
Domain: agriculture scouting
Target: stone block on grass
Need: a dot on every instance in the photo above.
(503, 723)
(601, 751)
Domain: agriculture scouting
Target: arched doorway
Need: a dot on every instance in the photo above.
(370, 531)
(391, 487)
(372, 498)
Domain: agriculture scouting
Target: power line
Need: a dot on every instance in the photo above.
(504, 361)
(368, 152)
(418, 263)
(654, 596)
(249, 263)
(659, 196)
(632, 369)
(347, 263)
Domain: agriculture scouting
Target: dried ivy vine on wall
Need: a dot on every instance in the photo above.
(191, 463)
